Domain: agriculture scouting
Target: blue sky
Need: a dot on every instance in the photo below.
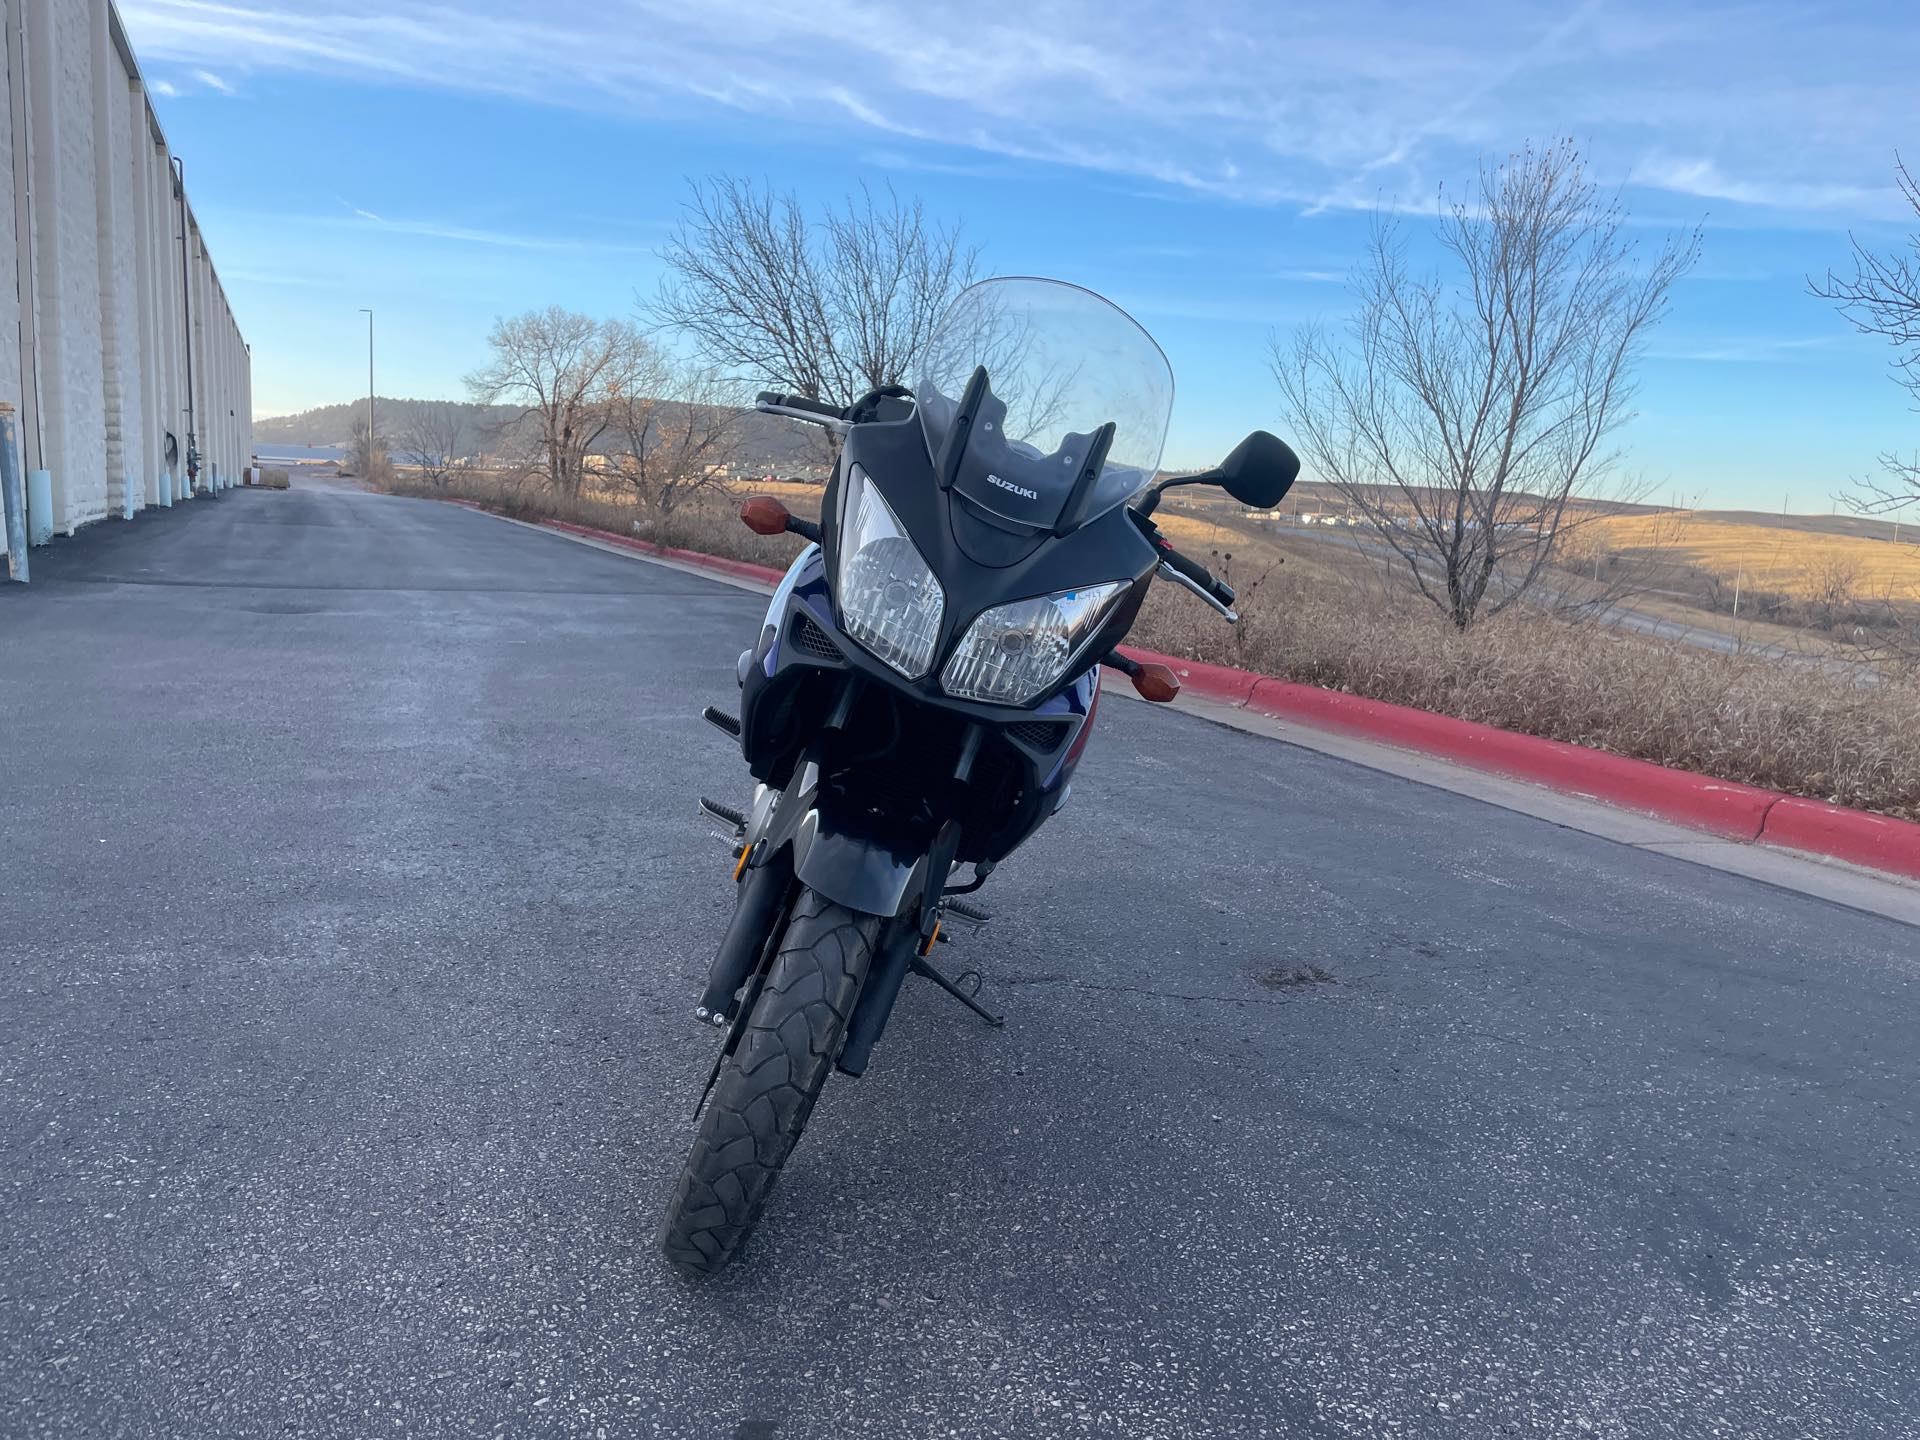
(1210, 166)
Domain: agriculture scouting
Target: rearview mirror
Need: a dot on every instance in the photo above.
(1260, 471)
(1258, 474)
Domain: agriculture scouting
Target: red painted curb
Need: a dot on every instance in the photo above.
(719, 564)
(1723, 807)
(1879, 842)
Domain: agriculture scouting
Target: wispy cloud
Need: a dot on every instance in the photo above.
(1747, 350)
(163, 87)
(280, 279)
(573, 242)
(213, 81)
(1329, 104)
(1703, 177)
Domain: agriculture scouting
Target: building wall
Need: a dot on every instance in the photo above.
(93, 235)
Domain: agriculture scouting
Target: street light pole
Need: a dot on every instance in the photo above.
(370, 431)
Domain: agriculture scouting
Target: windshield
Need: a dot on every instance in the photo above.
(1060, 363)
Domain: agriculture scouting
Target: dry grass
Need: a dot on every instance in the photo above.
(1794, 727)
(1790, 562)
(707, 523)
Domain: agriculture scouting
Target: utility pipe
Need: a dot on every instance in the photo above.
(186, 317)
(11, 498)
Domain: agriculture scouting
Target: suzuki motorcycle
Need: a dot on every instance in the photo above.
(921, 690)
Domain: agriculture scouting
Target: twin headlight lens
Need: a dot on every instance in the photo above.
(891, 603)
(1013, 652)
(889, 600)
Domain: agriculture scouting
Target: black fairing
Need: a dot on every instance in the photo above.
(981, 560)
(896, 758)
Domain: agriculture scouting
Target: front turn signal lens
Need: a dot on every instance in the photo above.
(1156, 683)
(765, 515)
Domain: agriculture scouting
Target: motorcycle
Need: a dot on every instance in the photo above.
(921, 690)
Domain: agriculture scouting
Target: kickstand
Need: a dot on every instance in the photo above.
(921, 967)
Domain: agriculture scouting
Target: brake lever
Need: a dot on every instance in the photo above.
(1167, 572)
(806, 417)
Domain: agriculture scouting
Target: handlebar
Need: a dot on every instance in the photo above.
(1190, 573)
(773, 400)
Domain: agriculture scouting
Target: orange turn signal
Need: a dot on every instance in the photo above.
(1156, 682)
(765, 515)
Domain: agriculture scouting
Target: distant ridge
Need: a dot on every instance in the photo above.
(764, 439)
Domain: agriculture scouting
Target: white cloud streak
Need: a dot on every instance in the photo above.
(1325, 104)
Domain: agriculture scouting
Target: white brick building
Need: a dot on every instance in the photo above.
(107, 322)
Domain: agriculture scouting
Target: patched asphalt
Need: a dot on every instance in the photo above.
(353, 900)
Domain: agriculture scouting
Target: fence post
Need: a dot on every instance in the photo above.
(14, 498)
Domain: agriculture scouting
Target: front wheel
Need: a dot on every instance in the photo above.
(766, 1088)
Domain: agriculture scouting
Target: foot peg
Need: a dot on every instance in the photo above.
(727, 816)
(726, 724)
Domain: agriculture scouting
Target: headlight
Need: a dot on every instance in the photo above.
(889, 600)
(1013, 652)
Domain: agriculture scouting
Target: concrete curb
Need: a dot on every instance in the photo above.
(1720, 807)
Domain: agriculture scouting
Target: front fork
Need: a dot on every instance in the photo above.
(766, 893)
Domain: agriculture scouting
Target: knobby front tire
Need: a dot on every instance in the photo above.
(766, 1088)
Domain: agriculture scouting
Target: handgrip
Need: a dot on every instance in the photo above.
(1193, 570)
(799, 402)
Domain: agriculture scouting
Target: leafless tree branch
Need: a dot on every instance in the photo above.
(676, 431)
(1882, 297)
(828, 308)
(1469, 420)
(565, 372)
(438, 438)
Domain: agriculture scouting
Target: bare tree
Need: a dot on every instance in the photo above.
(1469, 420)
(828, 308)
(437, 437)
(676, 431)
(1830, 581)
(564, 371)
(1882, 297)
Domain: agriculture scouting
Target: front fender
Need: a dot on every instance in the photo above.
(874, 874)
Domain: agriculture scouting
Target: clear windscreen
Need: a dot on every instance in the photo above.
(1061, 363)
